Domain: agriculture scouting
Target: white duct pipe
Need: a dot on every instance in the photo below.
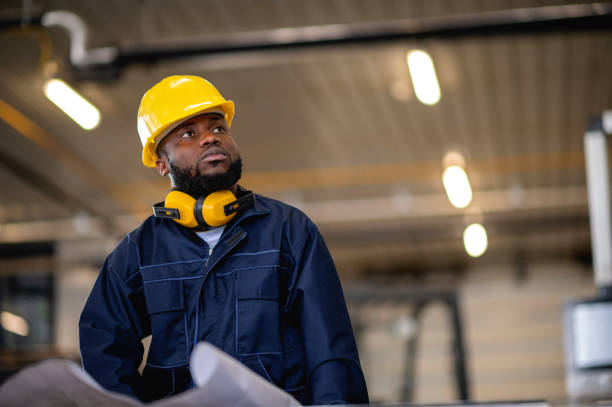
(598, 184)
(80, 56)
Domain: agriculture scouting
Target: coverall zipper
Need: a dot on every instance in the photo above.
(209, 254)
(234, 242)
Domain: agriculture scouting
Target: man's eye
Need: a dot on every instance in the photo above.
(218, 129)
(187, 134)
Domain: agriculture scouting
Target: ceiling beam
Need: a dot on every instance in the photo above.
(52, 146)
(340, 215)
(70, 201)
(419, 207)
(109, 61)
(270, 182)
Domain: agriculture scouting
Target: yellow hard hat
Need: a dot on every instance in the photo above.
(170, 102)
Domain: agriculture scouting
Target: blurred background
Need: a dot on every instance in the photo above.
(336, 114)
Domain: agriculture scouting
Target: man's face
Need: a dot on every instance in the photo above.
(200, 155)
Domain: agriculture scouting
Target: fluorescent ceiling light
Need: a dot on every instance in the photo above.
(14, 323)
(423, 76)
(453, 158)
(457, 186)
(74, 105)
(475, 240)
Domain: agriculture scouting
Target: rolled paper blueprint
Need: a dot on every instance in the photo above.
(223, 381)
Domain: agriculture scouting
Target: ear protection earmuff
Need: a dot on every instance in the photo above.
(215, 210)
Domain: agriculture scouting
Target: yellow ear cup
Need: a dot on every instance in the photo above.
(213, 207)
(184, 204)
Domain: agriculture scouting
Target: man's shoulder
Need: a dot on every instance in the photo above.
(148, 227)
(279, 208)
(273, 204)
(288, 217)
(127, 256)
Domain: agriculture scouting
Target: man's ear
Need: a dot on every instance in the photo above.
(162, 165)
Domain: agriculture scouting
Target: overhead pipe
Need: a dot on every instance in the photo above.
(110, 60)
(515, 21)
(80, 56)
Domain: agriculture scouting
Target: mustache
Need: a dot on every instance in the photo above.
(214, 150)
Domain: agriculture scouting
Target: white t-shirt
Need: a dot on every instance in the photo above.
(211, 237)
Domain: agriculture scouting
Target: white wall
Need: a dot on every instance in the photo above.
(72, 288)
(512, 331)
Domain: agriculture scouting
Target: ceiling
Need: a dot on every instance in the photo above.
(334, 129)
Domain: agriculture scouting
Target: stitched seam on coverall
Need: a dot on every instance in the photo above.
(172, 279)
(255, 253)
(249, 268)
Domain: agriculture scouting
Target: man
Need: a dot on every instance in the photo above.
(261, 287)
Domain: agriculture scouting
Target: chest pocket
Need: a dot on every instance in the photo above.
(166, 307)
(257, 311)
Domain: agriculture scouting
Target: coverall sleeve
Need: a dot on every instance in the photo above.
(110, 331)
(333, 363)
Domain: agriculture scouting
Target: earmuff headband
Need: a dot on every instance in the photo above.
(197, 211)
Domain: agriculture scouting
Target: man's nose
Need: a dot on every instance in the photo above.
(208, 139)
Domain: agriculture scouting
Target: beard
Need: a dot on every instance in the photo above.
(198, 185)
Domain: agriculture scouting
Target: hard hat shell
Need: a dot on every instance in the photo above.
(170, 102)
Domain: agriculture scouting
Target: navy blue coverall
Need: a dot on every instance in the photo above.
(268, 295)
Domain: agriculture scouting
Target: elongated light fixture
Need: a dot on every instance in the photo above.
(14, 323)
(423, 76)
(457, 186)
(475, 240)
(70, 102)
